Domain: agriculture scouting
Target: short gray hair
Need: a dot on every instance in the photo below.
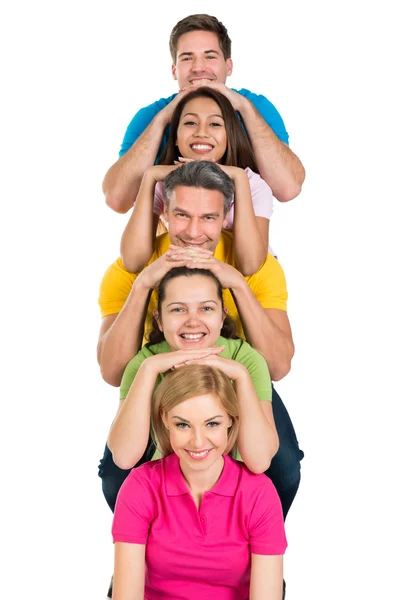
(201, 174)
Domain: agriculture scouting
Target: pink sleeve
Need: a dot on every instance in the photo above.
(159, 198)
(261, 195)
(134, 510)
(266, 526)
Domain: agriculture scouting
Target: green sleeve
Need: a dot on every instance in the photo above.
(130, 373)
(258, 369)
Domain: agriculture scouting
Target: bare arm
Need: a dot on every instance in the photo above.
(130, 430)
(278, 165)
(258, 440)
(250, 234)
(129, 571)
(122, 180)
(266, 577)
(137, 243)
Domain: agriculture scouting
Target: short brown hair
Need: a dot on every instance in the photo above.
(200, 23)
(188, 382)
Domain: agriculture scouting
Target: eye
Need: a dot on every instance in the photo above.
(181, 215)
(213, 424)
(190, 123)
(177, 309)
(209, 218)
(182, 425)
(186, 58)
(210, 56)
(215, 124)
(208, 308)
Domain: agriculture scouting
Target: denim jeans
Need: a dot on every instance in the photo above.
(284, 470)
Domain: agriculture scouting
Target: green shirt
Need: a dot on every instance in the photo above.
(235, 349)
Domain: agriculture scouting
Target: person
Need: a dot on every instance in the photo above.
(204, 126)
(196, 523)
(201, 53)
(190, 326)
(257, 304)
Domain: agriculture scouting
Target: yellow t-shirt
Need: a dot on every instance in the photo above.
(268, 284)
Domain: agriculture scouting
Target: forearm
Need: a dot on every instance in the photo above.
(124, 338)
(278, 165)
(249, 246)
(130, 430)
(137, 239)
(263, 333)
(258, 440)
(122, 180)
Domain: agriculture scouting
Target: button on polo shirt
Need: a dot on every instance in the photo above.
(198, 553)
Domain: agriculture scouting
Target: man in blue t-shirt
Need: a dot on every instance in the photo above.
(201, 52)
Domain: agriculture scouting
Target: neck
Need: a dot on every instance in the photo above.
(202, 481)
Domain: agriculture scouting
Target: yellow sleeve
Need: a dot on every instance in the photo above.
(115, 288)
(269, 285)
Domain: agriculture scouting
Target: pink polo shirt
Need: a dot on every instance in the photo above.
(198, 554)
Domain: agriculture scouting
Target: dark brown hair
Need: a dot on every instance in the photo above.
(156, 335)
(200, 23)
(239, 152)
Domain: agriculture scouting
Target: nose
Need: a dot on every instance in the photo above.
(198, 64)
(192, 320)
(201, 130)
(193, 230)
(198, 439)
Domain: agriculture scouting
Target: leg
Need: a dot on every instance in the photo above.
(113, 477)
(285, 466)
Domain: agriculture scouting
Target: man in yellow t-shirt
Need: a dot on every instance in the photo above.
(198, 196)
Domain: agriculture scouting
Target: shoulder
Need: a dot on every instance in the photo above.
(269, 284)
(268, 112)
(255, 486)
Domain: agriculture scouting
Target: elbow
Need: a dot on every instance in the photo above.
(282, 368)
(289, 192)
(120, 458)
(115, 202)
(111, 376)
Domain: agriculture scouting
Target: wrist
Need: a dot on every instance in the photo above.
(162, 118)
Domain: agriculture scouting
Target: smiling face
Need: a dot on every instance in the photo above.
(199, 60)
(195, 217)
(201, 132)
(198, 431)
(191, 313)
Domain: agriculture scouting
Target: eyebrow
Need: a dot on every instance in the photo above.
(204, 52)
(184, 304)
(207, 421)
(181, 210)
(196, 115)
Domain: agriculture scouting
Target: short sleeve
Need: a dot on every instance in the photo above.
(140, 121)
(258, 370)
(115, 288)
(261, 195)
(130, 372)
(266, 525)
(159, 196)
(269, 113)
(134, 510)
(269, 284)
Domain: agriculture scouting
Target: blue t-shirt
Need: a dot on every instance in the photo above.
(145, 115)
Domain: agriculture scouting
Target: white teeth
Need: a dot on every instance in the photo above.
(201, 147)
(198, 454)
(192, 336)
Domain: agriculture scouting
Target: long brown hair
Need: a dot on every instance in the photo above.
(156, 335)
(239, 152)
(187, 382)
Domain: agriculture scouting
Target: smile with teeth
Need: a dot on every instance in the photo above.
(192, 336)
(199, 454)
(203, 147)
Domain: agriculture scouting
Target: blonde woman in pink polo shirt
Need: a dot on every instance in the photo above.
(197, 524)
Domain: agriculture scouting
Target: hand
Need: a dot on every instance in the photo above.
(167, 112)
(199, 258)
(232, 369)
(237, 100)
(161, 363)
(234, 172)
(159, 172)
(151, 275)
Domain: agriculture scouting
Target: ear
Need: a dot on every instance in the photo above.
(224, 315)
(156, 315)
(225, 221)
(173, 69)
(230, 423)
(229, 65)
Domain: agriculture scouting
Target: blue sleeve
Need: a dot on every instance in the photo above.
(140, 121)
(269, 113)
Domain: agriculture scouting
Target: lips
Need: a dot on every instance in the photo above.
(198, 454)
(201, 148)
(193, 337)
(200, 80)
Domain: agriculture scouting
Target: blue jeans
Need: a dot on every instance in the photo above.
(284, 470)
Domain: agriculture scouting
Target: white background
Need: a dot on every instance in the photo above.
(73, 76)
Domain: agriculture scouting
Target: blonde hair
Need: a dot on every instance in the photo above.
(188, 382)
